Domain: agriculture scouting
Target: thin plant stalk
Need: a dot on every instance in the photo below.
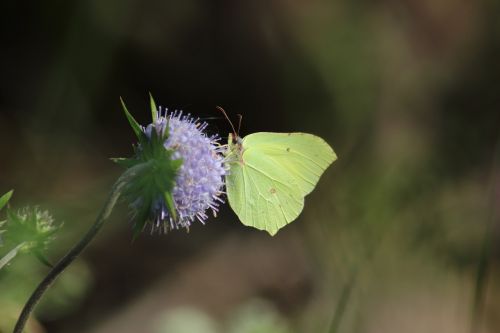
(76, 250)
(341, 307)
(483, 267)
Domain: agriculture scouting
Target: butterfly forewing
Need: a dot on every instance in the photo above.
(303, 156)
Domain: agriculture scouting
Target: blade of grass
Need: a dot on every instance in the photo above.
(4, 199)
(340, 309)
(483, 267)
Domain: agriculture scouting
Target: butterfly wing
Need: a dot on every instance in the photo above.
(267, 185)
(304, 157)
(260, 197)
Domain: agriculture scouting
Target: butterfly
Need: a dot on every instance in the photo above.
(271, 173)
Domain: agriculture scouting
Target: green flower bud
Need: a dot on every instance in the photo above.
(32, 227)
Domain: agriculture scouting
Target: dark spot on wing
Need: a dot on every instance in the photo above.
(288, 149)
(272, 190)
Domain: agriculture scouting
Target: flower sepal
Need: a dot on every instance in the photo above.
(4, 199)
(154, 178)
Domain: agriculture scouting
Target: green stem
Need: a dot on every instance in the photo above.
(72, 254)
(481, 284)
(345, 296)
(491, 230)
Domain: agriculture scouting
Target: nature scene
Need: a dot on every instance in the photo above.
(400, 234)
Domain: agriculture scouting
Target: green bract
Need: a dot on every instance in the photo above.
(156, 175)
(4, 199)
(157, 172)
(31, 227)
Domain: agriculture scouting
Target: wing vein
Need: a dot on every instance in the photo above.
(265, 174)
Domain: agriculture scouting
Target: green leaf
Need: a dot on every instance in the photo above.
(176, 164)
(133, 123)
(154, 110)
(9, 256)
(169, 201)
(125, 162)
(137, 228)
(5, 198)
(39, 255)
(1, 232)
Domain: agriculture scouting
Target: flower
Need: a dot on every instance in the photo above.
(32, 227)
(199, 181)
(183, 176)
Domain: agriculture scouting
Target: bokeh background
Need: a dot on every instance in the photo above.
(402, 232)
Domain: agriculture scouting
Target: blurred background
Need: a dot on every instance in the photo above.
(402, 232)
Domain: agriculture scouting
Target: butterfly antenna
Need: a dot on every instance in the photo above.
(239, 122)
(230, 122)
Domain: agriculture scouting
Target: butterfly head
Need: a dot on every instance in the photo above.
(235, 142)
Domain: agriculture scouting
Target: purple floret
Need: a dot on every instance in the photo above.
(200, 180)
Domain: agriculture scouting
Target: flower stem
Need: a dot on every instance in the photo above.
(72, 254)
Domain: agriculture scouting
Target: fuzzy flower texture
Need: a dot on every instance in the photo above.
(199, 180)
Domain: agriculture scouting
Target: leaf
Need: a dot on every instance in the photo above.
(39, 255)
(125, 162)
(176, 164)
(4, 199)
(154, 110)
(169, 201)
(9, 256)
(137, 229)
(1, 232)
(133, 123)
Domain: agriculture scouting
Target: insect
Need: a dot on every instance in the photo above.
(271, 173)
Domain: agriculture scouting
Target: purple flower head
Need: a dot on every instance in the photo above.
(177, 172)
(200, 178)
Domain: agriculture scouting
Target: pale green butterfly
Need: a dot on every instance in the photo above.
(271, 173)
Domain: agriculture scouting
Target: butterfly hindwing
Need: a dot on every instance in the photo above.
(260, 196)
